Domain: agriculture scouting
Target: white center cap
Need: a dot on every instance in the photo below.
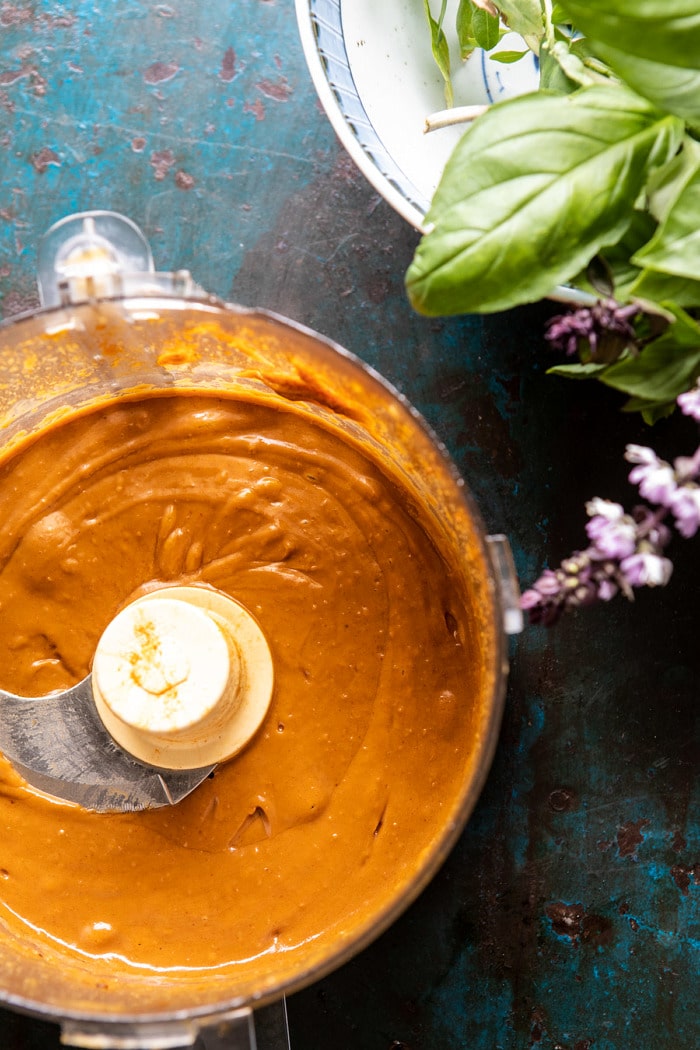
(182, 677)
(162, 666)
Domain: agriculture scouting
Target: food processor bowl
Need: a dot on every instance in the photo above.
(110, 331)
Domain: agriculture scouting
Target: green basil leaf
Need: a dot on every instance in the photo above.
(559, 15)
(441, 50)
(600, 276)
(664, 368)
(571, 65)
(667, 183)
(618, 256)
(578, 370)
(507, 57)
(654, 46)
(675, 89)
(652, 411)
(663, 287)
(675, 247)
(552, 75)
(533, 190)
(463, 22)
(486, 29)
(664, 31)
(526, 18)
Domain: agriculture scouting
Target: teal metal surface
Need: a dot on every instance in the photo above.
(568, 916)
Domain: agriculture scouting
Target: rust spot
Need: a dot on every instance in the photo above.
(58, 21)
(596, 930)
(11, 76)
(562, 800)
(159, 72)
(45, 157)
(256, 108)
(39, 85)
(679, 842)
(138, 144)
(161, 162)
(566, 919)
(183, 181)
(279, 90)
(14, 16)
(228, 66)
(572, 921)
(682, 874)
(629, 836)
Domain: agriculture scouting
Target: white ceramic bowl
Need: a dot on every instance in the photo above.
(373, 70)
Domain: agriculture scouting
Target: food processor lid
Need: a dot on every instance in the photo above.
(96, 255)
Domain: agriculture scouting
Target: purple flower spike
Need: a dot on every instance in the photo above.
(613, 533)
(685, 507)
(580, 580)
(600, 332)
(607, 590)
(655, 477)
(625, 550)
(646, 569)
(689, 403)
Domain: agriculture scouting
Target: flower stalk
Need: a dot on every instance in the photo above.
(626, 550)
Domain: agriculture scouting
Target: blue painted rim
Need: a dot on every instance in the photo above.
(327, 22)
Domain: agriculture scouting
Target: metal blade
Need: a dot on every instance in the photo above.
(58, 744)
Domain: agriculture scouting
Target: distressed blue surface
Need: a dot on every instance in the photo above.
(567, 916)
(139, 106)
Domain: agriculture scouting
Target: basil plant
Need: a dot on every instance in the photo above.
(591, 181)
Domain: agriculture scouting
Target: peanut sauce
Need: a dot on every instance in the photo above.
(285, 851)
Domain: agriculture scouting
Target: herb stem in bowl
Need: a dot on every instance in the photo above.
(445, 118)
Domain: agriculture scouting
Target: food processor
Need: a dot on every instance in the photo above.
(110, 328)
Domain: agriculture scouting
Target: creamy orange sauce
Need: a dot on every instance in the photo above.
(288, 849)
